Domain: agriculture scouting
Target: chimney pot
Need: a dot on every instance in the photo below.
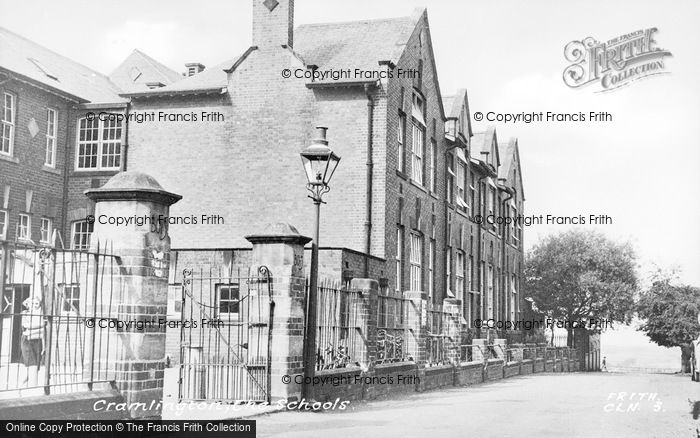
(321, 134)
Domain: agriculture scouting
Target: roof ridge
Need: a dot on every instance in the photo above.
(157, 65)
(58, 54)
(368, 20)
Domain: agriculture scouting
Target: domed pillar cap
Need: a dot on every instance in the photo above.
(135, 186)
(279, 233)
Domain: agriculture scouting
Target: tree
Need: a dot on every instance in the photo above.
(670, 314)
(581, 275)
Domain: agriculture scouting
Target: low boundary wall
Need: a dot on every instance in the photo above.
(392, 379)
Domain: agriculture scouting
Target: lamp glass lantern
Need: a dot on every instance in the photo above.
(319, 160)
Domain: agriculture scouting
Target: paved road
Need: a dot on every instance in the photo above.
(590, 405)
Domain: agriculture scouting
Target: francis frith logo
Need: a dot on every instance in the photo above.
(616, 62)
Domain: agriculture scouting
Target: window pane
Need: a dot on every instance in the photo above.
(88, 144)
(111, 147)
(223, 294)
(45, 230)
(3, 223)
(416, 256)
(401, 132)
(81, 235)
(9, 108)
(6, 138)
(417, 153)
(399, 256)
(229, 298)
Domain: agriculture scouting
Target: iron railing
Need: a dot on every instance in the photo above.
(68, 340)
(392, 330)
(338, 339)
(437, 338)
(466, 351)
(558, 340)
(482, 352)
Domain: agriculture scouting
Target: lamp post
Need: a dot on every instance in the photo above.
(319, 163)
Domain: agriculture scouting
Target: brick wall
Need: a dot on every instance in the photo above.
(220, 167)
(494, 369)
(511, 369)
(403, 195)
(25, 170)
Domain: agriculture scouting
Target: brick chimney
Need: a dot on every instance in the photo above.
(273, 23)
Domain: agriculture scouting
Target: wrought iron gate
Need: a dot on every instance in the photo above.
(225, 336)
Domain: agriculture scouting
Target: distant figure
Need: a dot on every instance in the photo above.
(32, 342)
(604, 367)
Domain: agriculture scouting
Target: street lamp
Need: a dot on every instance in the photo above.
(319, 163)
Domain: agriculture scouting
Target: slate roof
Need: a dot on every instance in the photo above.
(39, 64)
(447, 102)
(478, 139)
(481, 142)
(509, 153)
(148, 70)
(505, 151)
(355, 44)
(210, 78)
(453, 104)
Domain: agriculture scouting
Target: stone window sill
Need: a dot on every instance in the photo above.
(9, 158)
(415, 184)
(49, 169)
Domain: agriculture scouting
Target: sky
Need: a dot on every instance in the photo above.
(641, 168)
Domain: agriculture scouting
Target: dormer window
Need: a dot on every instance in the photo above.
(193, 68)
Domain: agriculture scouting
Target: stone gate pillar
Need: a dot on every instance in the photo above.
(280, 248)
(450, 307)
(141, 265)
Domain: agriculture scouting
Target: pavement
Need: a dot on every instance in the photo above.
(590, 405)
(174, 410)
